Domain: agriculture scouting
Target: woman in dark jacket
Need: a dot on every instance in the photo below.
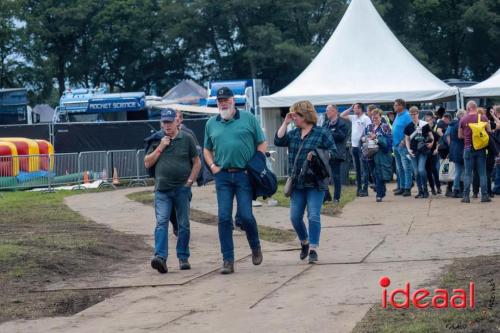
(381, 162)
(456, 154)
(303, 142)
(340, 132)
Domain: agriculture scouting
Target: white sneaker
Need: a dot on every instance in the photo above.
(256, 203)
(272, 202)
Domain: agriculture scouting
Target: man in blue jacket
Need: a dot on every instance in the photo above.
(403, 162)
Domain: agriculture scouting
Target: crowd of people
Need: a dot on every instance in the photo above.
(419, 150)
(423, 151)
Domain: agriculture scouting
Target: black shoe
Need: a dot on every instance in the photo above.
(159, 264)
(433, 191)
(184, 264)
(363, 193)
(439, 191)
(379, 199)
(485, 199)
(466, 200)
(492, 195)
(304, 251)
(399, 192)
(450, 194)
(420, 195)
(313, 256)
(227, 267)
(475, 195)
(257, 256)
(456, 194)
(425, 194)
(407, 193)
(396, 189)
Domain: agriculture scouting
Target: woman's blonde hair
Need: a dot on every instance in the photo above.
(306, 110)
(378, 112)
(414, 109)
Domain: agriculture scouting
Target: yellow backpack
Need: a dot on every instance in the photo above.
(480, 137)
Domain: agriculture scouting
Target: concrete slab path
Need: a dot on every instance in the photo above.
(403, 238)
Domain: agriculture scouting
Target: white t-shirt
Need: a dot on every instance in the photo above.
(358, 128)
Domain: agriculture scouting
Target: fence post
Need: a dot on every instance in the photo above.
(79, 185)
(138, 181)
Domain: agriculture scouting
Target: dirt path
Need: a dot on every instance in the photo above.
(405, 239)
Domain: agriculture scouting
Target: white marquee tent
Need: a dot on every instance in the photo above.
(362, 62)
(488, 88)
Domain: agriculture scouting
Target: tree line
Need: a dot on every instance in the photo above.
(150, 45)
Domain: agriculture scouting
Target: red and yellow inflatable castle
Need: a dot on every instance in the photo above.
(25, 155)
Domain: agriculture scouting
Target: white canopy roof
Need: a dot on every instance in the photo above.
(362, 62)
(490, 87)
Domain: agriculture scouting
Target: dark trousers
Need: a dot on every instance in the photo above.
(490, 166)
(337, 184)
(361, 169)
(432, 168)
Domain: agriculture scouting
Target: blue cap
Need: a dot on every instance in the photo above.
(168, 115)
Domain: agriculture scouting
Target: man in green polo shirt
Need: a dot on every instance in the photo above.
(177, 165)
(231, 140)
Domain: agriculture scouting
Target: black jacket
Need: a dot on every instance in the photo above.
(264, 182)
(317, 171)
(341, 133)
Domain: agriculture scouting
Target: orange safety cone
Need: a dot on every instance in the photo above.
(86, 179)
(116, 180)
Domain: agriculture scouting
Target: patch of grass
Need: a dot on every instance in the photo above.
(484, 271)
(329, 208)
(42, 241)
(266, 233)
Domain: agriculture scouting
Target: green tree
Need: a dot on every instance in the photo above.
(9, 43)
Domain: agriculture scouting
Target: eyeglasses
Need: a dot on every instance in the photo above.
(299, 114)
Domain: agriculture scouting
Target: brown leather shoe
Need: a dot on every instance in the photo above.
(257, 256)
(227, 267)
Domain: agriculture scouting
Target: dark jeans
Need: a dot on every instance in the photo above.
(164, 201)
(496, 189)
(379, 181)
(475, 160)
(432, 168)
(419, 169)
(230, 185)
(361, 169)
(337, 184)
(490, 166)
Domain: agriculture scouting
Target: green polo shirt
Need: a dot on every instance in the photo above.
(175, 163)
(235, 141)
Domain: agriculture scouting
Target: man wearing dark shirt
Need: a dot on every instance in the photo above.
(340, 132)
(177, 163)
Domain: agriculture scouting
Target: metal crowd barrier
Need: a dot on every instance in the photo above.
(73, 170)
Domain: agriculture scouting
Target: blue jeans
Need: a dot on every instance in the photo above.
(403, 168)
(312, 199)
(419, 169)
(361, 166)
(379, 181)
(475, 159)
(459, 169)
(337, 184)
(164, 201)
(496, 188)
(228, 185)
